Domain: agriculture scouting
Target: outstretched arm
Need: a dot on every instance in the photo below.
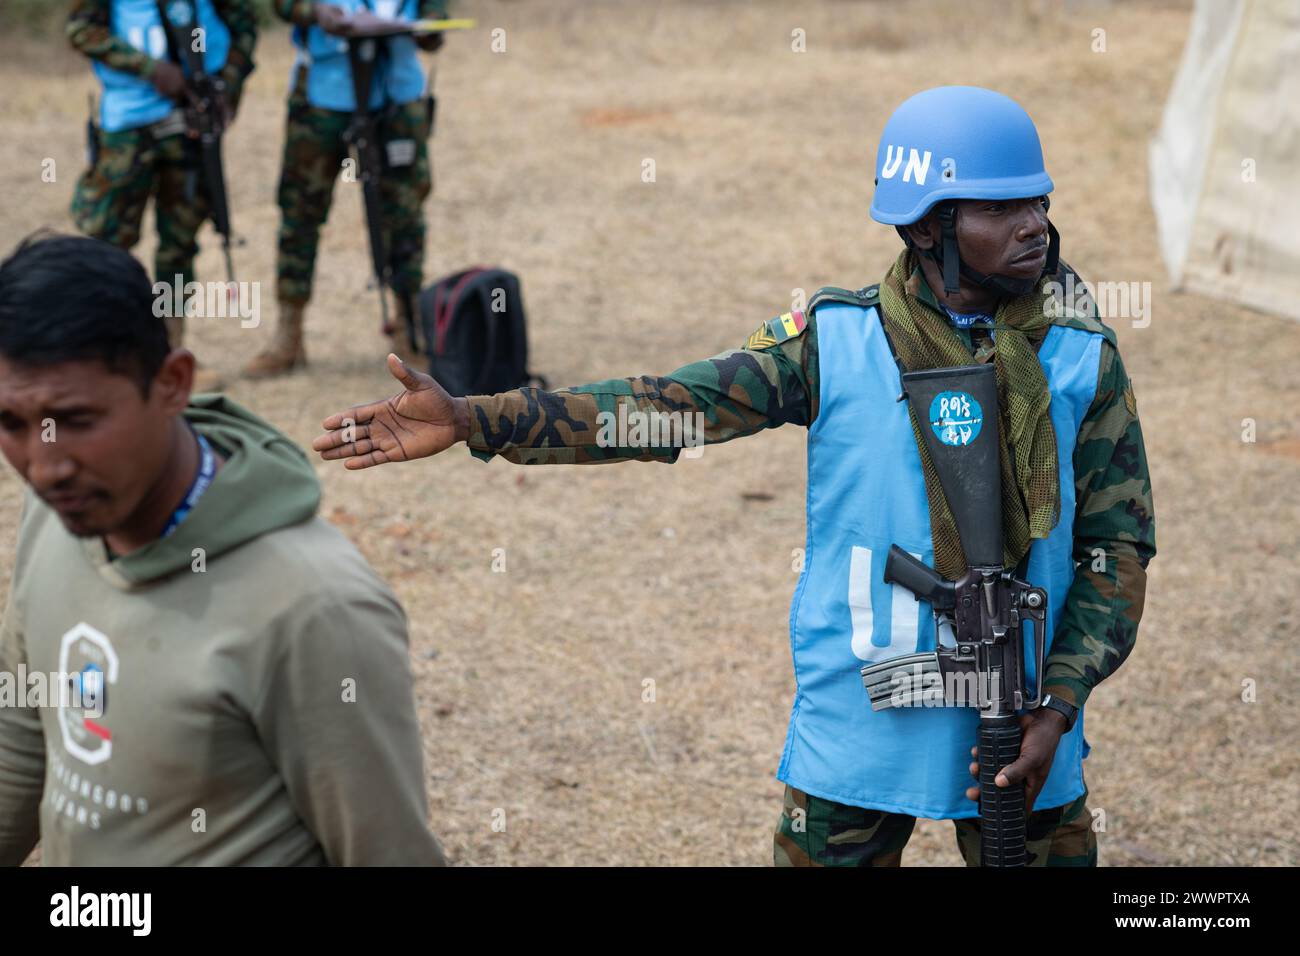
(768, 383)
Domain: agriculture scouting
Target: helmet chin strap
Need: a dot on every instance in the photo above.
(949, 261)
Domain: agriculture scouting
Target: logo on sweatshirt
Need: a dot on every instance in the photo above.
(89, 655)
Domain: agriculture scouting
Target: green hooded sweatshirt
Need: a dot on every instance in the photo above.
(257, 705)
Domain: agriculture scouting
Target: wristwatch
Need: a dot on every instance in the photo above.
(1062, 707)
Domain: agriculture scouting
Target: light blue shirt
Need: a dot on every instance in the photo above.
(397, 77)
(130, 101)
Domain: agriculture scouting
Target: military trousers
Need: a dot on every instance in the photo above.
(130, 166)
(314, 156)
(817, 832)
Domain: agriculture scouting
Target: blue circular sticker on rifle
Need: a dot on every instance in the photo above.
(956, 417)
(180, 13)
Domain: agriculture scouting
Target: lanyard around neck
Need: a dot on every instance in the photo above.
(207, 468)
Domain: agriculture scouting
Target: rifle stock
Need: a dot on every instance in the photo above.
(957, 411)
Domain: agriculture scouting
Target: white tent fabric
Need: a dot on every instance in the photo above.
(1225, 162)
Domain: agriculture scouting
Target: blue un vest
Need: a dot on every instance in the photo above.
(397, 78)
(866, 491)
(129, 102)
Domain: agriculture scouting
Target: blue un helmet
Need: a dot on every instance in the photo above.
(959, 142)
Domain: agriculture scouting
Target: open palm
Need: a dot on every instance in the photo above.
(415, 423)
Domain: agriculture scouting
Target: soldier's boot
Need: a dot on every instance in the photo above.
(206, 379)
(400, 337)
(286, 351)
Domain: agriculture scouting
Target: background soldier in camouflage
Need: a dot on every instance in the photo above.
(314, 152)
(132, 164)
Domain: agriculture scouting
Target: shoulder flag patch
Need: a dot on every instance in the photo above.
(791, 324)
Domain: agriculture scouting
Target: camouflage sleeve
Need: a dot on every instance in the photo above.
(648, 418)
(1114, 539)
(89, 33)
(241, 19)
(301, 13)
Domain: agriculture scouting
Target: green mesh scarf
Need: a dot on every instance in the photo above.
(925, 339)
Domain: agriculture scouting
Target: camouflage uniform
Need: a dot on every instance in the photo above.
(131, 165)
(817, 832)
(773, 381)
(313, 156)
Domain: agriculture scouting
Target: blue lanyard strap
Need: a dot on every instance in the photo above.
(207, 468)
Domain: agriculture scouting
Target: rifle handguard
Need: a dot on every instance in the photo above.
(1002, 809)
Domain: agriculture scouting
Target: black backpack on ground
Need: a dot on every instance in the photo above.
(472, 324)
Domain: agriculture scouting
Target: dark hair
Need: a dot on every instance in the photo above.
(72, 298)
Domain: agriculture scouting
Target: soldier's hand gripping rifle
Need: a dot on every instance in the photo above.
(204, 110)
(956, 409)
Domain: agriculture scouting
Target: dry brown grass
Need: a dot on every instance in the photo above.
(530, 681)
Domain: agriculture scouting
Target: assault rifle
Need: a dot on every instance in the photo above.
(366, 38)
(983, 611)
(203, 114)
